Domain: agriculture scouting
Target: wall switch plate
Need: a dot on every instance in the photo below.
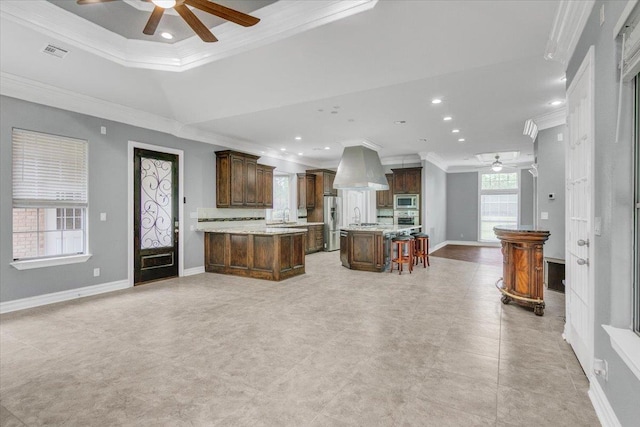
(544, 215)
(103, 216)
(560, 137)
(103, 130)
(96, 272)
(597, 226)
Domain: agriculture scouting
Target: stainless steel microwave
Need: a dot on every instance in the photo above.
(406, 201)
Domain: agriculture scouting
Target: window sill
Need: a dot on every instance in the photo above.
(50, 262)
(627, 344)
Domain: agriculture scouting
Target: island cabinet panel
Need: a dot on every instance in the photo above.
(214, 249)
(239, 251)
(407, 180)
(363, 250)
(261, 256)
(241, 182)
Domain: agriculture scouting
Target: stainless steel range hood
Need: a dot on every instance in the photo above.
(360, 169)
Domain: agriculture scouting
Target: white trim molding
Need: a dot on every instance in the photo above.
(604, 411)
(433, 158)
(551, 119)
(37, 301)
(627, 344)
(571, 18)
(28, 264)
(193, 271)
(279, 20)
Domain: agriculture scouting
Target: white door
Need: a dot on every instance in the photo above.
(579, 213)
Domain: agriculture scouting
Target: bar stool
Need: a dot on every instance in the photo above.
(421, 249)
(403, 244)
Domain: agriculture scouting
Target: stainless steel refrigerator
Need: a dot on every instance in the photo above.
(332, 213)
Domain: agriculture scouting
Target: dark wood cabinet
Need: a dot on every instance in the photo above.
(241, 182)
(384, 198)
(523, 270)
(362, 250)
(324, 182)
(407, 180)
(306, 191)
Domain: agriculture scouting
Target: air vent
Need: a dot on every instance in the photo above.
(56, 51)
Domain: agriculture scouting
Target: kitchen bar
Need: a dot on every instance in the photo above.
(368, 247)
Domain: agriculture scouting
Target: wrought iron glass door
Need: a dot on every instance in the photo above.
(155, 215)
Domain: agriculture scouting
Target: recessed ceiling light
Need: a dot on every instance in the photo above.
(461, 140)
(283, 149)
(455, 131)
(446, 119)
(556, 102)
(166, 35)
(299, 154)
(399, 122)
(436, 101)
(298, 138)
(327, 148)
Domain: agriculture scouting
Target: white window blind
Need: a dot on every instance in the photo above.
(48, 170)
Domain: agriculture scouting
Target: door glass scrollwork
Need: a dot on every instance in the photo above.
(156, 229)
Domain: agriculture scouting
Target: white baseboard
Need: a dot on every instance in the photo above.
(600, 403)
(192, 271)
(23, 303)
(438, 246)
(471, 243)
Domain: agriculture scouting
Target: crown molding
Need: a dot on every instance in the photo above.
(571, 18)
(29, 90)
(552, 119)
(395, 160)
(434, 159)
(278, 20)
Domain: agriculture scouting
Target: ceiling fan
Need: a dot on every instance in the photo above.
(190, 18)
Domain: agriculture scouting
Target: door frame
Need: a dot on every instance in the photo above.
(130, 203)
(586, 67)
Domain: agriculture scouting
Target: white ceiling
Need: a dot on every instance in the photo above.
(483, 58)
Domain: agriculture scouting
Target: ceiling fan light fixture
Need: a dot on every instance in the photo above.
(165, 4)
(497, 165)
(166, 35)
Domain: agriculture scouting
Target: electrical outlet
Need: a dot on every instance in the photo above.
(103, 130)
(461, 235)
(560, 137)
(96, 272)
(103, 216)
(544, 215)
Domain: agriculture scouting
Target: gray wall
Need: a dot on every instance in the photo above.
(613, 203)
(527, 195)
(434, 184)
(550, 157)
(462, 206)
(107, 193)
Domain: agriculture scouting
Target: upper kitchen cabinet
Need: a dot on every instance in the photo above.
(384, 198)
(241, 182)
(407, 181)
(306, 191)
(324, 181)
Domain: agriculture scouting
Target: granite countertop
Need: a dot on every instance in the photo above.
(215, 228)
(292, 224)
(382, 228)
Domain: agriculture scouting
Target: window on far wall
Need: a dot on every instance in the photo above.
(498, 202)
(280, 196)
(49, 195)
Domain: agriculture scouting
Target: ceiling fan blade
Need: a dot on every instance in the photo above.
(224, 12)
(201, 30)
(92, 1)
(153, 21)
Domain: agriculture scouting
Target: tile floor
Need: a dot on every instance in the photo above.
(331, 348)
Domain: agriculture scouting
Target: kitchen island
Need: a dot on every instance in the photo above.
(260, 252)
(368, 248)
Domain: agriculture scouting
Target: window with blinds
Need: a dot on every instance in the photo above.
(50, 186)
